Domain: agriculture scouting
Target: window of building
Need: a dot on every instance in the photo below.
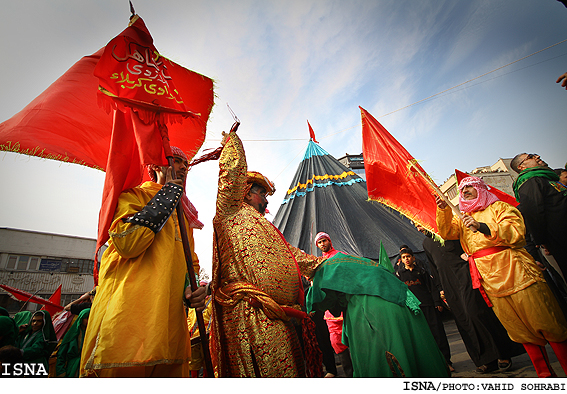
(34, 263)
(22, 263)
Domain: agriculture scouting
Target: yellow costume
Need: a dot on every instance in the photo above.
(255, 273)
(137, 325)
(514, 284)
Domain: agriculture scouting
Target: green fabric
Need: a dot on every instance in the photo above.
(380, 315)
(4, 312)
(376, 330)
(8, 331)
(22, 318)
(38, 346)
(69, 353)
(385, 260)
(528, 173)
(356, 275)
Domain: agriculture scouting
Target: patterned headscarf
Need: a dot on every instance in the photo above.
(322, 235)
(484, 197)
(188, 208)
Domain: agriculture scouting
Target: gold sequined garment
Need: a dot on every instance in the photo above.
(137, 319)
(252, 256)
(514, 284)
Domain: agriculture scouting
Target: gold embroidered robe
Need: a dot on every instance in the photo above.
(249, 250)
(513, 282)
(137, 318)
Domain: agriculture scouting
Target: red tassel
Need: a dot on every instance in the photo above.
(313, 355)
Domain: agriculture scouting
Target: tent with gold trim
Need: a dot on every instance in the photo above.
(327, 196)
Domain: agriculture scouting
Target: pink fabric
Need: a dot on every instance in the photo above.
(330, 253)
(335, 325)
(483, 199)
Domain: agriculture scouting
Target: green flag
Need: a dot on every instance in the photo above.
(385, 260)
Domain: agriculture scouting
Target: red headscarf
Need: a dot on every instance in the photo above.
(484, 197)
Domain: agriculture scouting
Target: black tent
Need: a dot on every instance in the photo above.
(327, 196)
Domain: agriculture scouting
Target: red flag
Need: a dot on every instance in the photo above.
(502, 196)
(389, 177)
(66, 123)
(143, 89)
(54, 299)
(311, 133)
(21, 295)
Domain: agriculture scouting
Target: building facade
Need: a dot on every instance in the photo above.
(500, 175)
(38, 263)
(355, 163)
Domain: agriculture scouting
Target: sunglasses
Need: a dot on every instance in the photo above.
(529, 156)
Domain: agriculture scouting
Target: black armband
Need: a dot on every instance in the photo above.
(484, 229)
(159, 209)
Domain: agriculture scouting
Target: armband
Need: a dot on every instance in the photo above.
(159, 209)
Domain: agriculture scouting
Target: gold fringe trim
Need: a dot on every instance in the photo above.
(409, 216)
(124, 233)
(39, 152)
(320, 178)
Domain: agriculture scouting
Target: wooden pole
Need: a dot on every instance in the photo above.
(455, 210)
(188, 259)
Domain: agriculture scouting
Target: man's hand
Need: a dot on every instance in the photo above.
(564, 79)
(441, 204)
(195, 299)
(169, 177)
(472, 224)
(439, 308)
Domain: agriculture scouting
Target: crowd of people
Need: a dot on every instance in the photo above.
(272, 310)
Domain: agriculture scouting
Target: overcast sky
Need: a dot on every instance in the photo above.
(281, 63)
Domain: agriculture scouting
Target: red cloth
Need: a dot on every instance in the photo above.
(55, 299)
(66, 123)
(335, 325)
(311, 133)
(498, 193)
(389, 178)
(21, 295)
(475, 275)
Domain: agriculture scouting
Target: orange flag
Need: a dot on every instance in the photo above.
(391, 178)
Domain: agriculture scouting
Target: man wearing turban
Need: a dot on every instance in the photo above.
(492, 234)
(144, 267)
(256, 282)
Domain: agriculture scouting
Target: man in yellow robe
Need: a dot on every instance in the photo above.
(492, 233)
(137, 325)
(256, 278)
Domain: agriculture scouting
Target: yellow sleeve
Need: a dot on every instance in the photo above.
(307, 263)
(232, 177)
(508, 227)
(447, 224)
(130, 240)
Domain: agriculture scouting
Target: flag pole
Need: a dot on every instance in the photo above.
(455, 210)
(188, 258)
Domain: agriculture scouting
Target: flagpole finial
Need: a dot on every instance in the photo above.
(132, 10)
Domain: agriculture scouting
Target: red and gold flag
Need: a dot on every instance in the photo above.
(143, 93)
(391, 177)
